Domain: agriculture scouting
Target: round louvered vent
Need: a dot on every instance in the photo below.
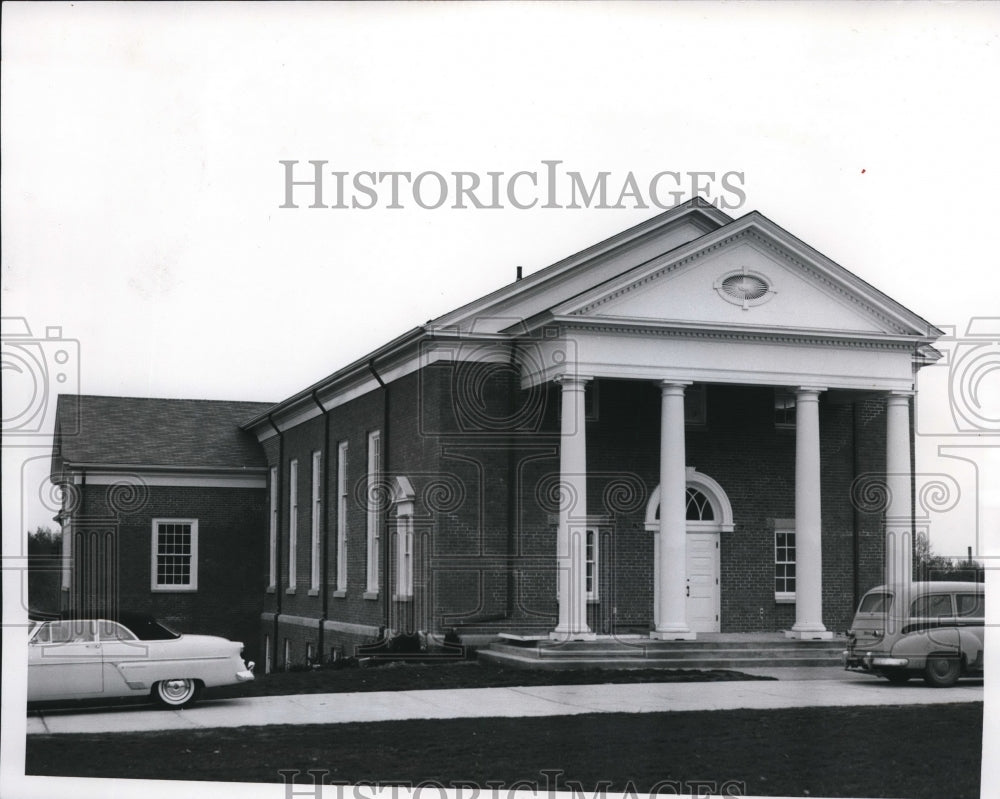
(744, 287)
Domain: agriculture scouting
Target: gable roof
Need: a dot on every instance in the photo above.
(148, 432)
(566, 288)
(891, 316)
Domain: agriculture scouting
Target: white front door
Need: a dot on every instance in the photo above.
(703, 582)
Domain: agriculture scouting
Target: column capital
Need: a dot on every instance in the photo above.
(673, 386)
(899, 397)
(817, 390)
(571, 380)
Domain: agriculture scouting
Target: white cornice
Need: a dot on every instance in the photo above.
(718, 331)
(165, 476)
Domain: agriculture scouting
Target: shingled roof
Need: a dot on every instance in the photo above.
(140, 431)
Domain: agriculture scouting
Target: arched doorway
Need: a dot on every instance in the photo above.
(709, 514)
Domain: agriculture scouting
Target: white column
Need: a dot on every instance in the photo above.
(572, 533)
(808, 520)
(899, 512)
(670, 618)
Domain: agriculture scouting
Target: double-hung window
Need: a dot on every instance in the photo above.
(342, 516)
(317, 510)
(175, 555)
(373, 495)
(272, 559)
(784, 560)
(293, 523)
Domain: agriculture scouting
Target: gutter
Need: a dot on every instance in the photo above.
(385, 468)
(352, 369)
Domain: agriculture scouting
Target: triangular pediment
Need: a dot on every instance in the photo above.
(749, 273)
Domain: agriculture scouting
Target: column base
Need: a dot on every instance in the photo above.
(564, 636)
(809, 635)
(673, 635)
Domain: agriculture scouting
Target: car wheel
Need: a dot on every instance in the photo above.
(896, 677)
(176, 693)
(942, 671)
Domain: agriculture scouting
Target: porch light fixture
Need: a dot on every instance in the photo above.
(744, 287)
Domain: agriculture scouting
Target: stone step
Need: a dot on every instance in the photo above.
(522, 659)
(679, 650)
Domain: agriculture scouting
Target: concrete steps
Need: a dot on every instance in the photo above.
(642, 653)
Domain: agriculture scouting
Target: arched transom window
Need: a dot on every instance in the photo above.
(699, 508)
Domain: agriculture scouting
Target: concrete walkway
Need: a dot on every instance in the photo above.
(807, 687)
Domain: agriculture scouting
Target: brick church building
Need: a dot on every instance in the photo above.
(677, 431)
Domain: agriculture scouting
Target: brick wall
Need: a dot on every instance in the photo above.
(231, 572)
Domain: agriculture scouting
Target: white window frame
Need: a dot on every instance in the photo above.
(272, 569)
(591, 563)
(784, 527)
(372, 498)
(342, 504)
(293, 523)
(192, 584)
(317, 511)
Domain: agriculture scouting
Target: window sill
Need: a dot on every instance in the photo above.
(402, 597)
(313, 592)
(290, 589)
(172, 589)
(269, 589)
(780, 599)
(370, 595)
(340, 593)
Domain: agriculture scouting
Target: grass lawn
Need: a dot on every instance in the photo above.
(915, 751)
(401, 676)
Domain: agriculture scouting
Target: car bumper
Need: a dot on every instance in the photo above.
(870, 661)
(244, 676)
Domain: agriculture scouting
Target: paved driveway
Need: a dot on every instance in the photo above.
(795, 688)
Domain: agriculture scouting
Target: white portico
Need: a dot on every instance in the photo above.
(751, 305)
(697, 298)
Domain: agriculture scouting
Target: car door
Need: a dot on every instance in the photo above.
(64, 661)
(125, 659)
(971, 615)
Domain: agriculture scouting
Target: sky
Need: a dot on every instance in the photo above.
(142, 185)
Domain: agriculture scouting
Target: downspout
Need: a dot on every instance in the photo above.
(324, 538)
(512, 521)
(385, 468)
(277, 538)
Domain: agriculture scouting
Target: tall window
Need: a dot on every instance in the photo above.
(317, 510)
(272, 569)
(404, 555)
(175, 555)
(342, 516)
(591, 558)
(784, 408)
(372, 495)
(293, 522)
(784, 561)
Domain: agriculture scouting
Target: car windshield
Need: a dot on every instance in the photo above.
(876, 602)
(146, 628)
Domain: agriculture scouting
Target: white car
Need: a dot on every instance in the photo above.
(131, 656)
